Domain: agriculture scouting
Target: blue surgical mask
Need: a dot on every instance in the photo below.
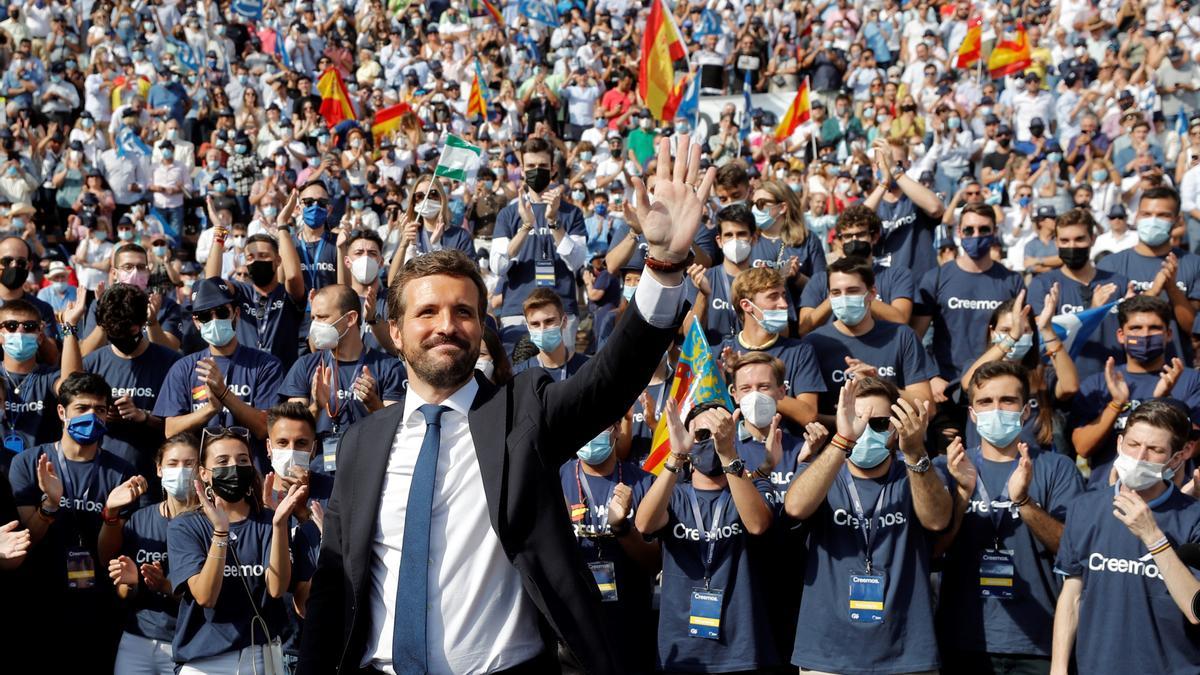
(978, 247)
(60, 287)
(773, 321)
(954, 123)
(871, 448)
(1024, 201)
(601, 209)
(627, 293)
(1099, 175)
(547, 340)
(240, 148)
(598, 450)
(86, 429)
(217, 332)
(1153, 231)
(177, 481)
(160, 251)
(849, 309)
(999, 427)
(315, 215)
(20, 346)
(762, 218)
(1019, 349)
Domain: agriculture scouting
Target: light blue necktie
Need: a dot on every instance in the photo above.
(409, 655)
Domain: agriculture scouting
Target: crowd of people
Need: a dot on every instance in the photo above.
(954, 314)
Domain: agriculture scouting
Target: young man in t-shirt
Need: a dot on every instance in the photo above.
(909, 210)
(548, 327)
(958, 298)
(1011, 503)
(1114, 613)
(710, 289)
(867, 604)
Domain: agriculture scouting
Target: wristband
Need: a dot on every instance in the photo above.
(109, 519)
(1159, 546)
(1118, 408)
(1021, 503)
(68, 329)
(670, 267)
(1053, 352)
(220, 533)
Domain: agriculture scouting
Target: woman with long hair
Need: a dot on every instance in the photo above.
(784, 242)
(230, 561)
(426, 224)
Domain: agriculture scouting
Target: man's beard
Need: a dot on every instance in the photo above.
(426, 367)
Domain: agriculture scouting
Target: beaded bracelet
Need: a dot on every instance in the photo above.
(1159, 546)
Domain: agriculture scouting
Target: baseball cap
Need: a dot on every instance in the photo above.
(1045, 212)
(209, 293)
(1117, 211)
(57, 267)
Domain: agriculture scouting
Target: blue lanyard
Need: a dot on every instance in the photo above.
(710, 534)
(994, 514)
(264, 312)
(864, 525)
(312, 262)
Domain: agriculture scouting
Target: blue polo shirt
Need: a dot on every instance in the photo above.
(1128, 622)
(894, 349)
(540, 243)
(1023, 624)
(961, 303)
(1075, 297)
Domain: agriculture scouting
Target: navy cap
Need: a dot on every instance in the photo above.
(991, 119)
(1117, 211)
(191, 268)
(1045, 212)
(209, 293)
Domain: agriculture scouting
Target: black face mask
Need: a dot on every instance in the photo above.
(232, 483)
(1037, 132)
(856, 248)
(14, 277)
(537, 179)
(261, 272)
(704, 458)
(1004, 142)
(127, 344)
(1076, 257)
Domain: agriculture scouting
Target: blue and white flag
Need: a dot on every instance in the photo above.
(281, 50)
(251, 9)
(129, 143)
(1075, 329)
(746, 86)
(185, 55)
(689, 107)
(710, 24)
(541, 12)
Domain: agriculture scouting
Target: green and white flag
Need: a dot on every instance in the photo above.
(459, 158)
(397, 7)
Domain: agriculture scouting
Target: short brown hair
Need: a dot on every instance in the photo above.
(21, 307)
(542, 297)
(448, 262)
(1077, 217)
(291, 410)
(873, 386)
(852, 265)
(994, 369)
(1162, 415)
(753, 280)
(979, 209)
(740, 361)
(733, 175)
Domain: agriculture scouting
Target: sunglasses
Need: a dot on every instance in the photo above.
(764, 203)
(976, 231)
(433, 196)
(210, 434)
(9, 261)
(319, 201)
(206, 315)
(24, 326)
(879, 425)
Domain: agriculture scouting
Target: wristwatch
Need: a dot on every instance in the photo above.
(677, 468)
(735, 468)
(921, 466)
(48, 515)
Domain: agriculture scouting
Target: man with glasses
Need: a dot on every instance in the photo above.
(131, 266)
(958, 298)
(14, 271)
(315, 244)
(271, 311)
(228, 383)
(857, 231)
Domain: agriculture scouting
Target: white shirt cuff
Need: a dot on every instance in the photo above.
(658, 304)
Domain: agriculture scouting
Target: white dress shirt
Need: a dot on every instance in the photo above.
(479, 618)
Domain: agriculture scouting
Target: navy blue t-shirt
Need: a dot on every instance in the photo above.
(30, 406)
(961, 303)
(1023, 624)
(720, 321)
(252, 375)
(801, 374)
(1075, 297)
(1093, 395)
(1141, 270)
(907, 237)
(826, 638)
(539, 243)
(891, 283)
(754, 454)
(572, 366)
(144, 540)
(270, 322)
(453, 238)
(170, 318)
(202, 632)
(1128, 622)
(141, 379)
(368, 335)
(318, 260)
(387, 370)
(894, 349)
(745, 640)
(775, 254)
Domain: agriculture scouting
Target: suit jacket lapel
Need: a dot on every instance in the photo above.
(488, 421)
(374, 448)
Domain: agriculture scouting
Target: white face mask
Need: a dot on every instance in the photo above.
(1137, 474)
(324, 335)
(758, 409)
(177, 481)
(365, 269)
(737, 250)
(486, 367)
(429, 208)
(283, 459)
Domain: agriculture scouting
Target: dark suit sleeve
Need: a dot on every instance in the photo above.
(325, 629)
(578, 408)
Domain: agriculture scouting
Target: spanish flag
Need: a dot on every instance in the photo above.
(335, 99)
(660, 87)
(697, 380)
(797, 113)
(1011, 56)
(971, 49)
(387, 121)
(476, 101)
(124, 89)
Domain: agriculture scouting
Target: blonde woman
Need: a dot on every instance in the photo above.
(426, 224)
(784, 241)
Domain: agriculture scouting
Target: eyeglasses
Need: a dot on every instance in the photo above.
(206, 315)
(764, 203)
(981, 231)
(323, 202)
(210, 434)
(433, 196)
(879, 424)
(24, 326)
(852, 236)
(9, 261)
(133, 267)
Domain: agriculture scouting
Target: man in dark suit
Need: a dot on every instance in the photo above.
(447, 547)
